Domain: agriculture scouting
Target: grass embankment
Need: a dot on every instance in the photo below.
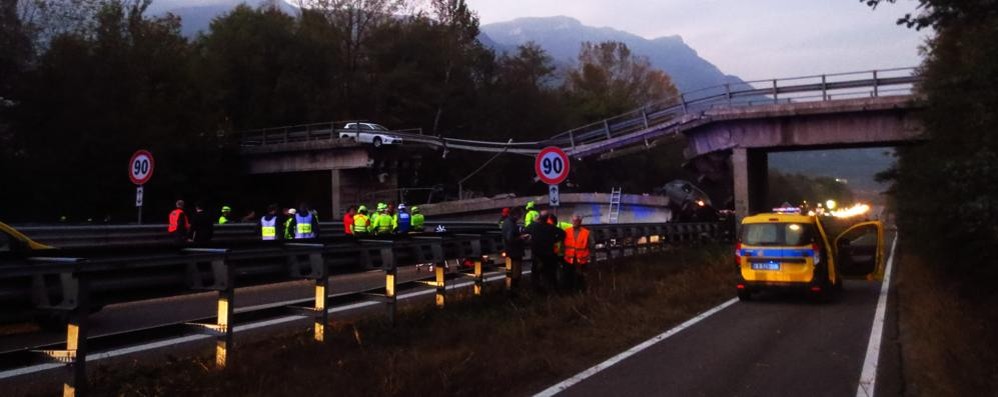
(494, 345)
(948, 334)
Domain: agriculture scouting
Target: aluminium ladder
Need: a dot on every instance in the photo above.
(615, 195)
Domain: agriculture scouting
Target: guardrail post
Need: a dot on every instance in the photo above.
(727, 92)
(606, 128)
(571, 139)
(824, 88)
(226, 304)
(776, 94)
(479, 277)
(76, 342)
(876, 85)
(319, 273)
(223, 283)
(644, 118)
(682, 98)
(441, 283)
(390, 272)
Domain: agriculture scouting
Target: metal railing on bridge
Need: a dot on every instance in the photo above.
(659, 118)
(75, 285)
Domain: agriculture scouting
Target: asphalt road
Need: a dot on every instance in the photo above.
(154, 312)
(776, 345)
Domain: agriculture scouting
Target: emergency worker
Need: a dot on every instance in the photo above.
(224, 218)
(179, 224)
(289, 232)
(361, 223)
(532, 214)
(417, 220)
(269, 224)
(201, 226)
(306, 225)
(382, 222)
(402, 221)
(543, 237)
(503, 216)
(348, 220)
(578, 251)
(515, 242)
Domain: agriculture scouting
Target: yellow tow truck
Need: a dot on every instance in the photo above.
(788, 250)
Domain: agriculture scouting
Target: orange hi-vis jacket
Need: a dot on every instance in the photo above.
(577, 246)
(176, 217)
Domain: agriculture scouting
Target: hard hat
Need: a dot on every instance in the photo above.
(362, 208)
(292, 211)
(401, 206)
(415, 210)
(226, 208)
(530, 204)
(382, 206)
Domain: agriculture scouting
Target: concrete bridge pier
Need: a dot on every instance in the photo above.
(750, 168)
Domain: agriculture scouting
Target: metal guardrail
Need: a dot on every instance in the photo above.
(668, 113)
(119, 236)
(74, 285)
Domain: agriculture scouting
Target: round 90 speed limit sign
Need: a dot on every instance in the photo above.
(140, 167)
(551, 165)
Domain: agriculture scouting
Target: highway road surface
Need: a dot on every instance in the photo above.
(776, 345)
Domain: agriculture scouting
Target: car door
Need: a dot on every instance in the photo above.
(859, 251)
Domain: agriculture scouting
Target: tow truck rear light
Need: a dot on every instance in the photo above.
(740, 286)
(816, 289)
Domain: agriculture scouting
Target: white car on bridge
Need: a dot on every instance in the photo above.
(375, 134)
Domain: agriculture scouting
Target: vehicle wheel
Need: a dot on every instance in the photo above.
(377, 141)
(744, 295)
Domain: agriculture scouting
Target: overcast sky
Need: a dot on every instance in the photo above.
(753, 39)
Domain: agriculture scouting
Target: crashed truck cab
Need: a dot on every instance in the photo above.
(787, 250)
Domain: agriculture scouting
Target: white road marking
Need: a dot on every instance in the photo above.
(13, 373)
(565, 384)
(868, 379)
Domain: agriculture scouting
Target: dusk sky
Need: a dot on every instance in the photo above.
(755, 39)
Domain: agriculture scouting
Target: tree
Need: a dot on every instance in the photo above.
(945, 189)
(610, 80)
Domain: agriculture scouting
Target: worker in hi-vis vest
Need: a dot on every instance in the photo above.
(417, 220)
(578, 252)
(270, 225)
(532, 214)
(361, 223)
(382, 222)
(305, 224)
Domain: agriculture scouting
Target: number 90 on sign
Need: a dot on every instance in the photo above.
(140, 167)
(552, 165)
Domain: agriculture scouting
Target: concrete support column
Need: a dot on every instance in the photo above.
(335, 194)
(750, 169)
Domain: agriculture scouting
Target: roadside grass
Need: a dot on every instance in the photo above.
(948, 337)
(492, 345)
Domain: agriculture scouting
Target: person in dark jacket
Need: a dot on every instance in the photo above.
(202, 226)
(515, 242)
(543, 237)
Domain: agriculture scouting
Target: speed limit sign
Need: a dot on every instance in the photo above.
(551, 165)
(140, 167)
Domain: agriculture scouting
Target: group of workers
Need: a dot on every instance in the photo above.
(385, 221)
(295, 224)
(560, 250)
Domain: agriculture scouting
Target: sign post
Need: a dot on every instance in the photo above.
(140, 169)
(551, 166)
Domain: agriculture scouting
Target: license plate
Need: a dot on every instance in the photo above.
(766, 266)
